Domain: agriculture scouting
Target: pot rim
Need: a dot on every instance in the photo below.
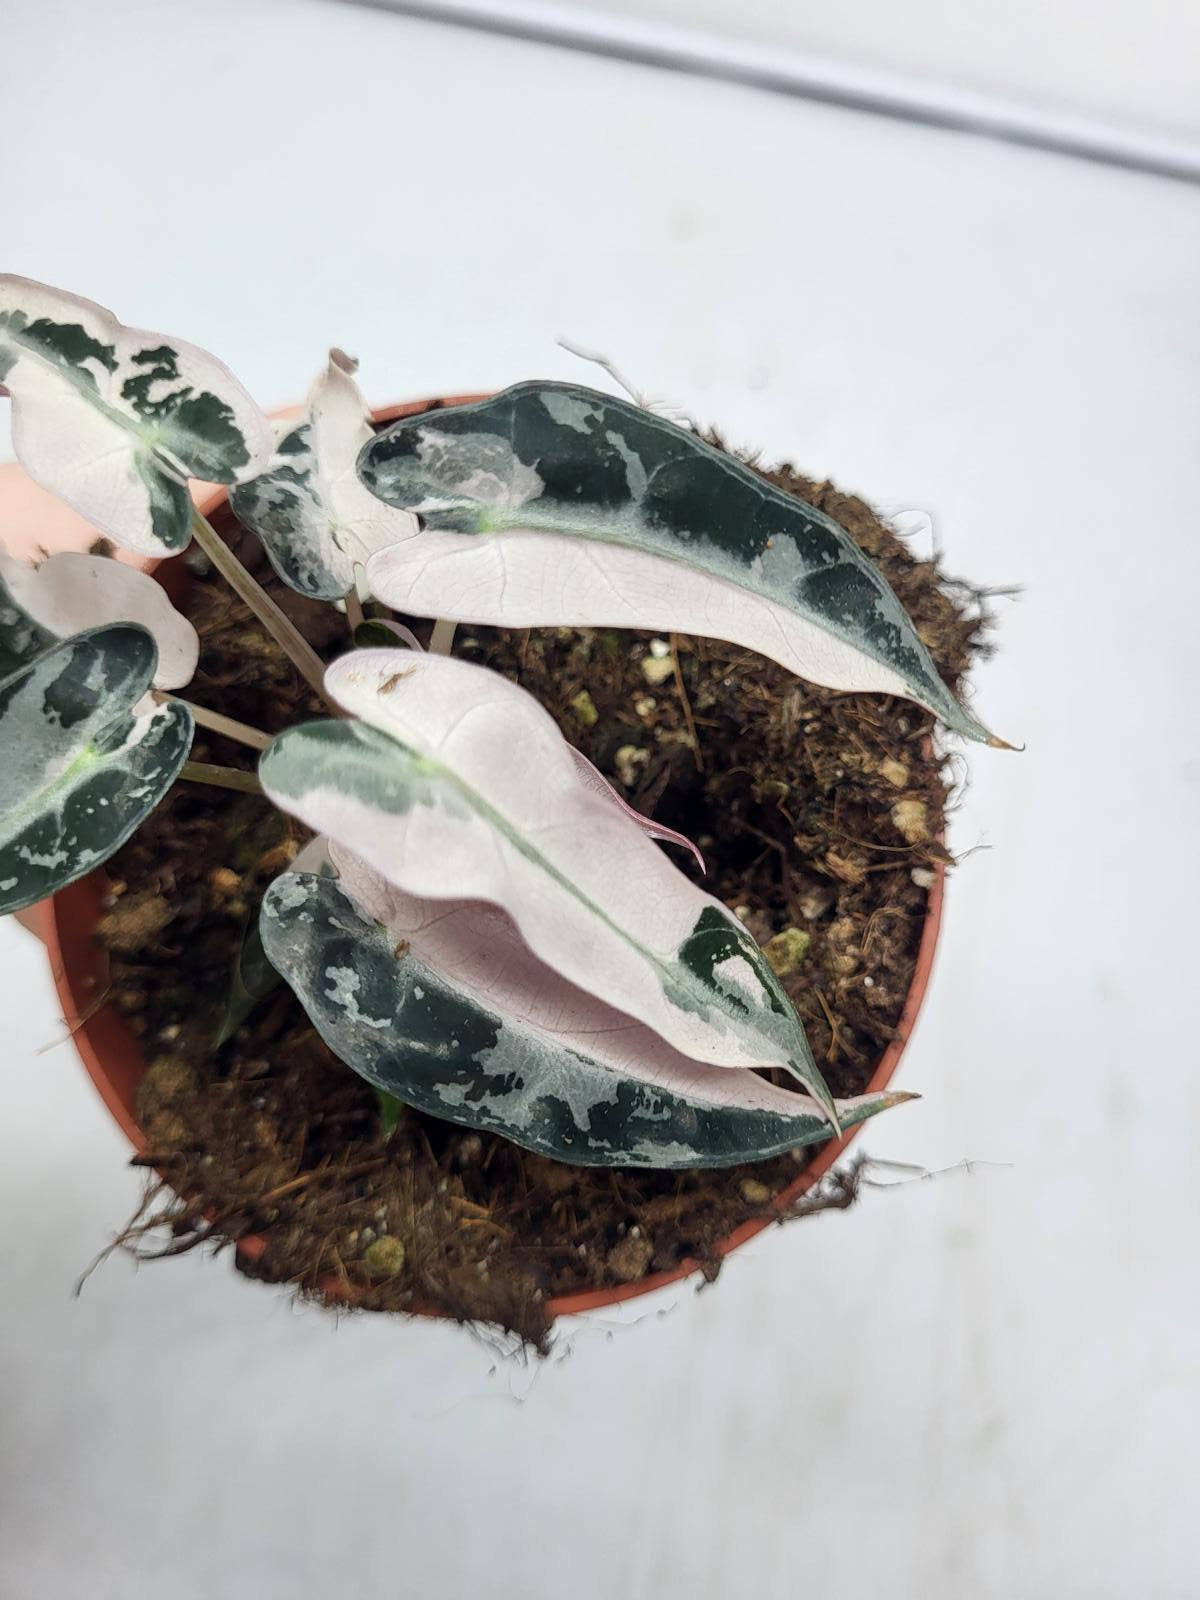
(115, 1062)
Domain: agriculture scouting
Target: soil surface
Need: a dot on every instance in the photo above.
(818, 814)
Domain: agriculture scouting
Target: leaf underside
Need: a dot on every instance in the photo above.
(398, 1023)
(78, 770)
(71, 592)
(554, 504)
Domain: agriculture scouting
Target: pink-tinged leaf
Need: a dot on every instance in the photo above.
(70, 592)
(599, 784)
(456, 784)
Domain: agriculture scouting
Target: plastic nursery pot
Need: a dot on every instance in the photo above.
(114, 1060)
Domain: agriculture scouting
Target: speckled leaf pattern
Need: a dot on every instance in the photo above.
(316, 520)
(72, 591)
(114, 420)
(78, 769)
(446, 1009)
(552, 505)
(457, 784)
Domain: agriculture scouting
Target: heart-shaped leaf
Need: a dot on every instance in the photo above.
(316, 520)
(456, 784)
(446, 1009)
(78, 769)
(114, 420)
(70, 592)
(553, 505)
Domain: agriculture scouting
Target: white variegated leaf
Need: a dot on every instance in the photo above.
(313, 514)
(445, 1007)
(377, 631)
(456, 784)
(115, 420)
(554, 505)
(70, 592)
(79, 767)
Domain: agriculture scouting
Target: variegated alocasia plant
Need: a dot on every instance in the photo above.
(483, 927)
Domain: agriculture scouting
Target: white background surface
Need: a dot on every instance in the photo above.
(1134, 63)
(982, 1386)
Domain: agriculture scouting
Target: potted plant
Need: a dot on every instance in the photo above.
(394, 982)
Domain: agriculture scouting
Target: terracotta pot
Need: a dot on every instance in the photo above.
(114, 1060)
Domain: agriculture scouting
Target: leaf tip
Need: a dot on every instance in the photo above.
(829, 1106)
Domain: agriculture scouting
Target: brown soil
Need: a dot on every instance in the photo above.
(816, 811)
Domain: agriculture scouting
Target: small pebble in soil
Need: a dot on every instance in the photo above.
(658, 669)
(912, 820)
(584, 708)
(894, 771)
(842, 953)
(628, 1260)
(384, 1258)
(815, 902)
(628, 760)
(754, 1192)
(787, 950)
(224, 881)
